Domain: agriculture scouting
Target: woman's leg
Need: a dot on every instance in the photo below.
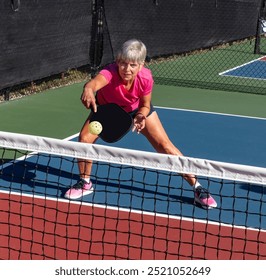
(84, 185)
(159, 139)
(86, 137)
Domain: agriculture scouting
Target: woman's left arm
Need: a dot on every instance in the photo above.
(143, 112)
(145, 105)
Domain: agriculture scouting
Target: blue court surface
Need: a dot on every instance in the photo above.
(212, 136)
(218, 137)
(255, 69)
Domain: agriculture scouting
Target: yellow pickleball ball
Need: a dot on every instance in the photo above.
(95, 128)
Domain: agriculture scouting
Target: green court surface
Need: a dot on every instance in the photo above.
(59, 113)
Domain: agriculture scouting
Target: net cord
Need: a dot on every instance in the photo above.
(150, 160)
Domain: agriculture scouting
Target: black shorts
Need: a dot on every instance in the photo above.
(133, 113)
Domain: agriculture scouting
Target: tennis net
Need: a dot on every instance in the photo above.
(141, 207)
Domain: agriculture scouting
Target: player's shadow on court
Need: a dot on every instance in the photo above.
(148, 194)
(33, 178)
(253, 188)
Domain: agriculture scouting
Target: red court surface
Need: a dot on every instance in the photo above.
(36, 228)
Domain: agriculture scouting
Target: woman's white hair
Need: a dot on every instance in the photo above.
(132, 50)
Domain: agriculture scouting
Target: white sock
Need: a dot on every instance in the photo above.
(86, 179)
(197, 184)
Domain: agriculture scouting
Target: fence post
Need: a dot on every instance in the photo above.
(261, 16)
(96, 46)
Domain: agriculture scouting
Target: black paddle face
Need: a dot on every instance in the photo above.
(115, 121)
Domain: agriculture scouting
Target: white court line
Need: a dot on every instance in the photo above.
(211, 113)
(239, 66)
(139, 212)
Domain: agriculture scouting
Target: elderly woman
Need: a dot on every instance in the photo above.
(129, 84)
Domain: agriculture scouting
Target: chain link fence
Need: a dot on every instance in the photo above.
(212, 44)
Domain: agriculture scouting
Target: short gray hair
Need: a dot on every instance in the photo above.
(132, 50)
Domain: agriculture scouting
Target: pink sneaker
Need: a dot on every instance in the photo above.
(203, 197)
(80, 189)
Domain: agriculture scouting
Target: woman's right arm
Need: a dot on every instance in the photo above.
(89, 90)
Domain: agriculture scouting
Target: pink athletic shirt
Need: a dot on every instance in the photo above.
(115, 92)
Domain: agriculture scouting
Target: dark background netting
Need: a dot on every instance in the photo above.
(170, 27)
(190, 42)
(42, 38)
